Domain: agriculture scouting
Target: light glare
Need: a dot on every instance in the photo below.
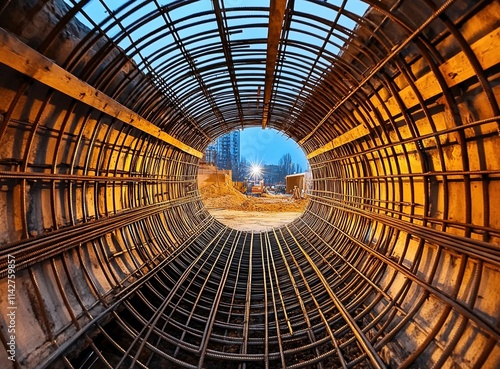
(255, 170)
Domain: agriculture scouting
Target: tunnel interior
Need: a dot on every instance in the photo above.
(108, 258)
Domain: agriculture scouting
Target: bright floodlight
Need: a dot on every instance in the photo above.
(255, 170)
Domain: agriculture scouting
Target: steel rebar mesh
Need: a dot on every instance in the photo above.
(118, 264)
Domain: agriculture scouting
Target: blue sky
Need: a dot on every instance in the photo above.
(268, 146)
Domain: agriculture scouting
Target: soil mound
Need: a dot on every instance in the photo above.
(224, 196)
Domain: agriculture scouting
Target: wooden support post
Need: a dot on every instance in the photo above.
(276, 15)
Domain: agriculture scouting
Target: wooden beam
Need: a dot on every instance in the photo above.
(455, 70)
(276, 15)
(351, 135)
(17, 55)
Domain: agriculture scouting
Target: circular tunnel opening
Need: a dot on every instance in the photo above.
(254, 179)
(105, 110)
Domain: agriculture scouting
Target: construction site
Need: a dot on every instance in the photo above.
(119, 249)
(246, 209)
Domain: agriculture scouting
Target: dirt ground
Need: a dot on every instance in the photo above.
(250, 213)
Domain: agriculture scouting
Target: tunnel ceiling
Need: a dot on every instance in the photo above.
(311, 69)
(109, 258)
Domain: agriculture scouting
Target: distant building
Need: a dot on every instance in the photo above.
(225, 151)
(210, 155)
(301, 180)
(272, 174)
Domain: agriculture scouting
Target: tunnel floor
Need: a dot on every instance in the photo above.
(253, 300)
(256, 221)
